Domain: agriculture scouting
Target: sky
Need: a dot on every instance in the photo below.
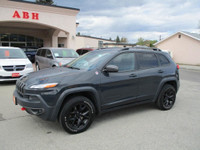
(149, 19)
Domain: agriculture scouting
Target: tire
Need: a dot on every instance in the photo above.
(77, 115)
(37, 67)
(166, 98)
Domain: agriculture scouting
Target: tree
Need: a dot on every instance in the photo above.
(124, 40)
(117, 39)
(140, 41)
(148, 43)
(47, 2)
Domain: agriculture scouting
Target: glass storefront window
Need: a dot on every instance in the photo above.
(22, 38)
(5, 37)
(19, 40)
(13, 37)
(30, 39)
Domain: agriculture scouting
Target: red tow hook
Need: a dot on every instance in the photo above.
(23, 108)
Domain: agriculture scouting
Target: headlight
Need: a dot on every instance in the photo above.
(29, 66)
(43, 86)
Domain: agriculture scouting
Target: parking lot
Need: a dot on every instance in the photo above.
(142, 127)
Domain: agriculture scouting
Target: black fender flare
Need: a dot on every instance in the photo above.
(162, 83)
(67, 92)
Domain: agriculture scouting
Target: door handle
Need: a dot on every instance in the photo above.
(133, 75)
(160, 71)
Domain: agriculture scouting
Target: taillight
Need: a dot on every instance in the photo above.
(177, 66)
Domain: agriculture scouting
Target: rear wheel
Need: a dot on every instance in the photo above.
(77, 114)
(166, 98)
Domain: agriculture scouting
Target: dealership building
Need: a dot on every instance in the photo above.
(31, 25)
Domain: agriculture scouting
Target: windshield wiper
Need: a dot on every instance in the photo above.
(73, 67)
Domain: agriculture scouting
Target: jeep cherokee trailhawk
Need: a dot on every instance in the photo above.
(97, 82)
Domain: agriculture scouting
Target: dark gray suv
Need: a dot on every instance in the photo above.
(97, 82)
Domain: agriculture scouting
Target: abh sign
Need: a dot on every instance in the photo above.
(26, 15)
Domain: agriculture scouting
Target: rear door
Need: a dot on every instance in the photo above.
(150, 75)
(120, 88)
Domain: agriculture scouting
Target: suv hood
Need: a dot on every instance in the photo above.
(51, 75)
(10, 62)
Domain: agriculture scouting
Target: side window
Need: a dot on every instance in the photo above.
(84, 51)
(147, 60)
(48, 54)
(79, 51)
(38, 52)
(163, 60)
(43, 52)
(125, 62)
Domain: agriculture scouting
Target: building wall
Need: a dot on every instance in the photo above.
(84, 42)
(185, 50)
(52, 19)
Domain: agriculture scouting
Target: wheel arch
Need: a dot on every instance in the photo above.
(170, 81)
(88, 92)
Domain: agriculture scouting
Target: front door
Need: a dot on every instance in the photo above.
(120, 88)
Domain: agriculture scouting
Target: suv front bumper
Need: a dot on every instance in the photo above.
(34, 104)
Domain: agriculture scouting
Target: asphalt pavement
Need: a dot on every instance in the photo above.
(137, 128)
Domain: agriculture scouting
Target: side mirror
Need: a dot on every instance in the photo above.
(111, 68)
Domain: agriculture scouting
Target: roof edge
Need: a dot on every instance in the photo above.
(56, 6)
(182, 32)
(87, 36)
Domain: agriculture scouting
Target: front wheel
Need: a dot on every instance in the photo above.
(77, 114)
(166, 98)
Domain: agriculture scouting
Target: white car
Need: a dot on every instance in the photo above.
(13, 64)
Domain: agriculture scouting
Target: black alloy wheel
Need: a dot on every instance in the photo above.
(166, 97)
(77, 115)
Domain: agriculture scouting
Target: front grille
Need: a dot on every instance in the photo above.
(20, 87)
(14, 68)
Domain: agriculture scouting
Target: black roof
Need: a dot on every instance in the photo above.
(22, 1)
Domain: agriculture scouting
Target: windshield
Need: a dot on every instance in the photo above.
(12, 54)
(90, 60)
(64, 53)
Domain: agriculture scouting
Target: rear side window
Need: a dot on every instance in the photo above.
(43, 53)
(84, 51)
(79, 51)
(163, 60)
(124, 62)
(147, 60)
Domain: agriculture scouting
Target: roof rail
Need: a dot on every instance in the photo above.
(124, 49)
(156, 49)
